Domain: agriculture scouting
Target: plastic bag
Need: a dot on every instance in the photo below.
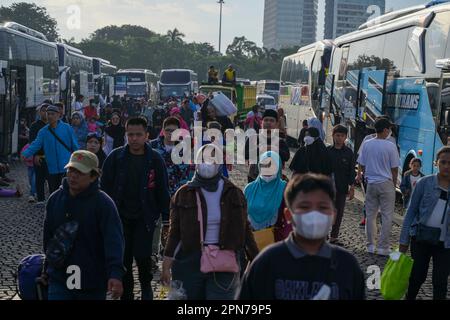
(176, 291)
(395, 276)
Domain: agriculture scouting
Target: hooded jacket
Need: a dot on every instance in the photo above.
(99, 245)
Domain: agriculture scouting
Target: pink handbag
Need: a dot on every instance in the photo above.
(213, 259)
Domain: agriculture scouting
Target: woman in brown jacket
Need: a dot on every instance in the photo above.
(225, 224)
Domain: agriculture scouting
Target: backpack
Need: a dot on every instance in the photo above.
(29, 272)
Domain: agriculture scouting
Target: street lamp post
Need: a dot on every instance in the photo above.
(221, 2)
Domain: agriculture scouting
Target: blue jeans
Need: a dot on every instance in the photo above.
(32, 181)
(59, 291)
(203, 286)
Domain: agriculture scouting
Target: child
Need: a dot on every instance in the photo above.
(93, 125)
(31, 175)
(410, 179)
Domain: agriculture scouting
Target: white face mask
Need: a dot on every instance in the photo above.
(313, 225)
(308, 140)
(269, 178)
(207, 171)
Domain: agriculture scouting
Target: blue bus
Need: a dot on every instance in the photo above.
(398, 66)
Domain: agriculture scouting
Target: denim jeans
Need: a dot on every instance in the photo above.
(203, 286)
(59, 291)
(32, 181)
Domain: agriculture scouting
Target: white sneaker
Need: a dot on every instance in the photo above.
(383, 252)
(371, 249)
(31, 199)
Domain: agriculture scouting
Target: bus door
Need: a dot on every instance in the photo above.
(376, 87)
(444, 109)
(326, 103)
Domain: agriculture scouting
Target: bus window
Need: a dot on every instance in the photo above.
(436, 42)
(343, 64)
(394, 52)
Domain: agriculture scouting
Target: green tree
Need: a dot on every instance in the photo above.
(175, 36)
(32, 16)
(116, 33)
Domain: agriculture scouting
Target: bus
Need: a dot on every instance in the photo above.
(77, 75)
(302, 80)
(269, 87)
(177, 83)
(104, 73)
(28, 76)
(396, 66)
(136, 83)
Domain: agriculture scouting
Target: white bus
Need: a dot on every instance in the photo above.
(302, 79)
(397, 65)
(269, 87)
(136, 83)
(177, 83)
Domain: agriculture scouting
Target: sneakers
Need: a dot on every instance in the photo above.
(383, 252)
(31, 199)
(371, 249)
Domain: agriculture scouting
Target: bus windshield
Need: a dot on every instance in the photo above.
(138, 90)
(174, 91)
(272, 86)
(172, 77)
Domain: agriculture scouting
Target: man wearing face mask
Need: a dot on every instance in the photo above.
(224, 213)
(379, 161)
(305, 266)
(253, 146)
(313, 157)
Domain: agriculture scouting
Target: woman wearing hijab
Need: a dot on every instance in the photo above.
(114, 134)
(265, 202)
(315, 123)
(80, 128)
(313, 157)
(224, 214)
(94, 144)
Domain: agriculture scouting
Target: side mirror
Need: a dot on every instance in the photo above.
(63, 80)
(416, 46)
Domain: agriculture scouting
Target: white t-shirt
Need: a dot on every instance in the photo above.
(435, 219)
(379, 157)
(373, 136)
(214, 214)
(414, 180)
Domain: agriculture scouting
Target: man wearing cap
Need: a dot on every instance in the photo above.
(40, 165)
(264, 140)
(97, 250)
(379, 160)
(58, 141)
(213, 75)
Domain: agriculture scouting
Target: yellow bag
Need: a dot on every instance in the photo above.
(264, 237)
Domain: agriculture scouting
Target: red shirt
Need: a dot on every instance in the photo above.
(90, 112)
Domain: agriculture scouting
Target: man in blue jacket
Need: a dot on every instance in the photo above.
(58, 141)
(94, 264)
(135, 176)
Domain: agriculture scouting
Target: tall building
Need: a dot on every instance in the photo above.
(344, 16)
(289, 23)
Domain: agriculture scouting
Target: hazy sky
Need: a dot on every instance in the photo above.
(198, 19)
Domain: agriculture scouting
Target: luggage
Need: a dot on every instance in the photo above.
(30, 285)
(223, 105)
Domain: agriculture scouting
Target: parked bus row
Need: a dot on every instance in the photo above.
(397, 65)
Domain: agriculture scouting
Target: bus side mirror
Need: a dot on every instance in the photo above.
(63, 80)
(2, 85)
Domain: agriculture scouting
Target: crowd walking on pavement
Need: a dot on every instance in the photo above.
(118, 197)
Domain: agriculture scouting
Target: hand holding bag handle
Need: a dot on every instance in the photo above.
(213, 259)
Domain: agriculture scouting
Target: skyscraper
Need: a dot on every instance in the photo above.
(344, 16)
(289, 23)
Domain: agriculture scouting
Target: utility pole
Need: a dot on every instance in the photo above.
(221, 2)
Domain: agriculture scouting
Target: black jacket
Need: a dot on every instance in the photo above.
(343, 164)
(34, 130)
(99, 246)
(313, 158)
(154, 195)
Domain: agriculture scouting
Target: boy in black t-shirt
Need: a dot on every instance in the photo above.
(305, 266)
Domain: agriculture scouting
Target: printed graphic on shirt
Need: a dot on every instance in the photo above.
(301, 290)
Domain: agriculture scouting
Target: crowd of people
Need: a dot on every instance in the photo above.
(111, 170)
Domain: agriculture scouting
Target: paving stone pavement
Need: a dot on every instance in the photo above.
(21, 234)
